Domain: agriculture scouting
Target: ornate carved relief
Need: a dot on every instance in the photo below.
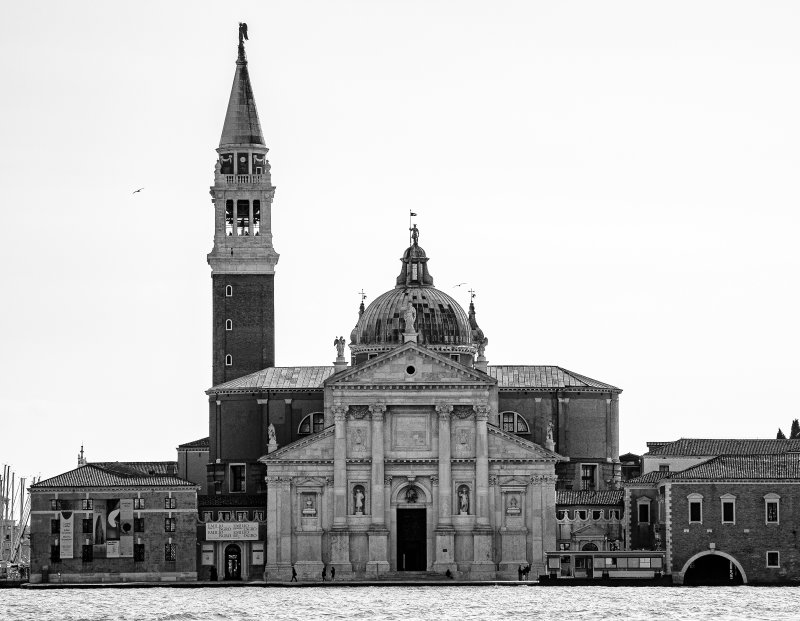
(339, 413)
(463, 412)
(359, 412)
(444, 410)
(377, 410)
(482, 411)
(463, 443)
(387, 480)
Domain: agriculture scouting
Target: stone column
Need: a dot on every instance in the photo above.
(235, 221)
(339, 535)
(378, 533)
(250, 222)
(272, 527)
(340, 466)
(483, 564)
(285, 560)
(445, 534)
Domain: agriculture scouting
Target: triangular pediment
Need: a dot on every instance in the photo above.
(317, 447)
(503, 445)
(407, 365)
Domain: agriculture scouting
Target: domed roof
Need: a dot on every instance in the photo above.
(439, 321)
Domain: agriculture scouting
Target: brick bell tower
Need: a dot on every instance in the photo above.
(243, 259)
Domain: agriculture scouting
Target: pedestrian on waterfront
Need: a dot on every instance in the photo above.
(213, 574)
(294, 575)
(519, 573)
(324, 572)
(333, 573)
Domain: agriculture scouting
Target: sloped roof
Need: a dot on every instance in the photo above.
(116, 474)
(241, 119)
(697, 447)
(589, 497)
(278, 378)
(138, 467)
(744, 467)
(537, 376)
(649, 477)
(201, 443)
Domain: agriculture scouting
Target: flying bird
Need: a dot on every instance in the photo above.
(459, 284)
(139, 190)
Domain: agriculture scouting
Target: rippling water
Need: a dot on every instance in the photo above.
(462, 603)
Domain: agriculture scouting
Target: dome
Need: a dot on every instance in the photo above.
(440, 322)
(440, 319)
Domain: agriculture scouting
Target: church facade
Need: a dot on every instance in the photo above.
(413, 454)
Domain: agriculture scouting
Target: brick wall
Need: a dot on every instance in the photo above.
(251, 308)
(749, 538)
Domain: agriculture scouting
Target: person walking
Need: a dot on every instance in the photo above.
(324, 572)
(333, 573)
(519, 573)
(294, 575)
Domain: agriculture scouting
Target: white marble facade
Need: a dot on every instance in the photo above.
(409, 475)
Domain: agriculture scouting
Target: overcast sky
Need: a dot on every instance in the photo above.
(618, 181)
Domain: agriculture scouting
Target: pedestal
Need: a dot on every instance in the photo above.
(340, 553)
(483, 565)
(272, 446)
(445, 550)
(378, 552)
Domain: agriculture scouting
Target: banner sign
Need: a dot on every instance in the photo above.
(216, 531)
(112, 548)
(208, 554)
(66, 533)
(126, 546)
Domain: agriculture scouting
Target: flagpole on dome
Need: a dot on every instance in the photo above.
(410, 226)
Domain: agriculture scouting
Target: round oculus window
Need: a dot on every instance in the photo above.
(410, 369)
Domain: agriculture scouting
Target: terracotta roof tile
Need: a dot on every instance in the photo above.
(589, 497)
(537, 376)
(201, 443)
(649, 477)
(278, 378)
(697, 447)
(744, 467)
(116, 474)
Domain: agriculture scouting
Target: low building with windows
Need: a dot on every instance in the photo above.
(114, 522)
(589, 520)
(729, 519)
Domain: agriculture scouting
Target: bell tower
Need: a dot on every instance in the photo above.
(242, 260)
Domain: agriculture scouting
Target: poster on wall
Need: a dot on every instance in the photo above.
(258, 554)
(112, 548)
(66, 532)
(99, 527)
(216, 531)
(112, 519)
(126, 546)
(208, 554)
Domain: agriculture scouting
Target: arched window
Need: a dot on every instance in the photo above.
(312, 423)
(513, 422)
(228, 291)
(228, 360)
(229, 324)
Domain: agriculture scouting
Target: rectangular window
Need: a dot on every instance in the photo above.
(170, 503)
(138, 503)
(138, 552)
(170, 550)
(663, 467)
(241, 516)
(695, 511)
(644, 513)
(237, 478)
(55, 504)
(138, 525)
(773, 559)
(728, 511)
(86, 553)
(772, 511)
(208, 516)
(169, 525)
(588, 476)
(224, 516)
(87, 504)
(88, 527)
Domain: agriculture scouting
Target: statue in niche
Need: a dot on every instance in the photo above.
(358, 499)
(339, 345)
(309, 510)
(550, 431)
(412, 495)
(463, 500)
(410, 316)
(271, 435)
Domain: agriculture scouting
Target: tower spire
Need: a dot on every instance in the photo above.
(242, 126)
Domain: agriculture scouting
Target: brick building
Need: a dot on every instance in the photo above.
(114, 522)
(724, 519)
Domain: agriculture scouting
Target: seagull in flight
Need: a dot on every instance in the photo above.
(139, 190)
(459, 284)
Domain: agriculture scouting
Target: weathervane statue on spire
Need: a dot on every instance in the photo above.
(242, 39)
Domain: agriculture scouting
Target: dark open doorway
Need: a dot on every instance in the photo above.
(233, 562)
(712, 570)
(411, 540)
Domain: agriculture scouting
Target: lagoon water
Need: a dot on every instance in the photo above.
(389, 603)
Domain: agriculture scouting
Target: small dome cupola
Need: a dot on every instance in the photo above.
(414, 272)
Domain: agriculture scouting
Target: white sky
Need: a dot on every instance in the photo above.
(617, 180)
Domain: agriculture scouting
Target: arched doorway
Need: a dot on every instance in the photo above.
(233, 562)
(713, 569)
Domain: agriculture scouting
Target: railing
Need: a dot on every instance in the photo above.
(244, 179)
